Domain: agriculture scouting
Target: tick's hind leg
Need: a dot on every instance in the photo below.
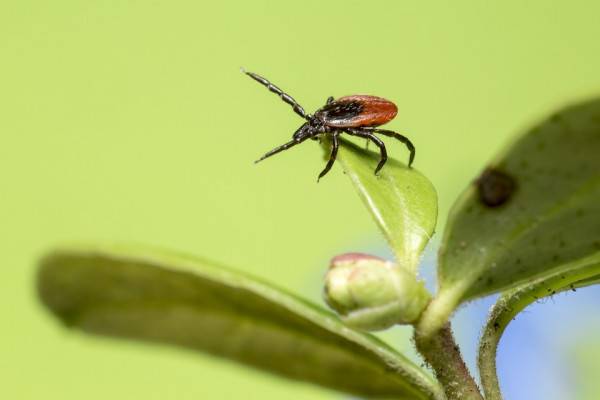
(401, 138)
(335, 144)
(369, 136)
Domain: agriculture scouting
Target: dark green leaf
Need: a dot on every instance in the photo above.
(148, 295)
(534, 212)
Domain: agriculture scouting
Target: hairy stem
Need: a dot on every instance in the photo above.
(513, 302)
(488, 345)
(443, 355)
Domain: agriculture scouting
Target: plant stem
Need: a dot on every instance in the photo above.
(512, 302)
(443, 355)
(488, 346)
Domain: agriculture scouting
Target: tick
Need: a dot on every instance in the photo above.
(356, 115)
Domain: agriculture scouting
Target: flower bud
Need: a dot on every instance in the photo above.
(373, 294)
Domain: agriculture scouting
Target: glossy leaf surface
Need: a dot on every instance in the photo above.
(402, 201)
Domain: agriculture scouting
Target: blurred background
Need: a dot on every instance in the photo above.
(130, 121)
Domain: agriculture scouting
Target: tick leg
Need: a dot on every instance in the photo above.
(335, 144)
(329, 100)
(281, 148)
(284, 96)
(369, 136)
(382, 150)
(401, 138)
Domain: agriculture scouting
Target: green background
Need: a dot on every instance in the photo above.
(130, 121)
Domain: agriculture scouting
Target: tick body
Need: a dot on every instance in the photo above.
(357, 111)
(357, 115)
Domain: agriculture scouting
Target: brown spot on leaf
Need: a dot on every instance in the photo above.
(495, 187)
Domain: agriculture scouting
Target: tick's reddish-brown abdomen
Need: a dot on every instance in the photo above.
(357, 111)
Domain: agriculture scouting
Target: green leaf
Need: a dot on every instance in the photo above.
(579, 274)
(402, 201)
(549, 182)
(150, 295)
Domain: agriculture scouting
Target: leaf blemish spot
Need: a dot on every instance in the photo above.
(495, 187)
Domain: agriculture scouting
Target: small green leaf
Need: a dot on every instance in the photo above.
(154, 296)
(402, 201)
(534, 211)
(577, 274)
